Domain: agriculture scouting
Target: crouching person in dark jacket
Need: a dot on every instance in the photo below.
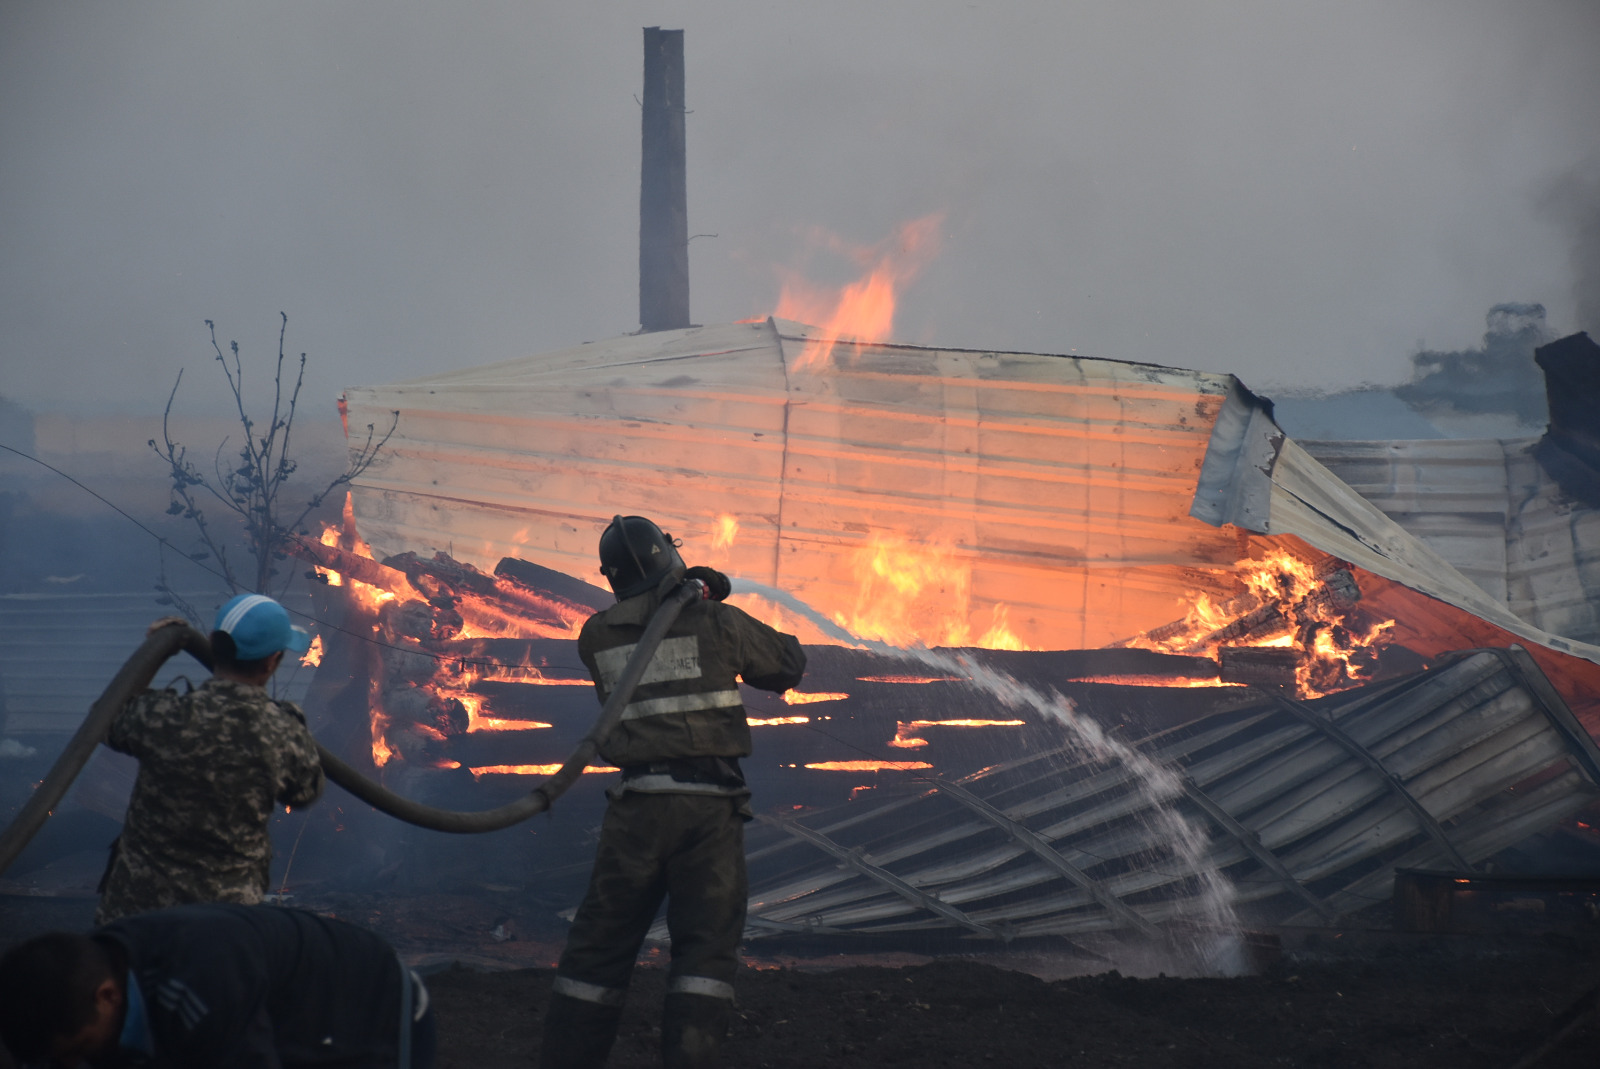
(226, 986)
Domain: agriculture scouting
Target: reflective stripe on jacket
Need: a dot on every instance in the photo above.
(687, 703)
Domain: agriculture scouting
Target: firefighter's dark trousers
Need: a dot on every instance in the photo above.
(688, 848)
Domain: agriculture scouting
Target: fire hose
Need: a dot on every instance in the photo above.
(140, 669)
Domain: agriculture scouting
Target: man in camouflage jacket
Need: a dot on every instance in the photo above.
(675, 825)
(212, 765)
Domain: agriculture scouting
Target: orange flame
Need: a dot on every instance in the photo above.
(380, 749)
(1286, 603)
(330, 537)
(910, 594)
(475, 616)
(795, 697)
(533, 770)
(868, 766)
(771, 720)
(999, 636)
(1153, 681)
(904, 739)
(369, 597)
(908, 679)
(313, 655)
(862, 311)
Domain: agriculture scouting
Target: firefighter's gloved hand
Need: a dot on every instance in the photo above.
(717, 585)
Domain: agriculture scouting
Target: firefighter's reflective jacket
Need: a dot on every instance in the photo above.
(687, 704)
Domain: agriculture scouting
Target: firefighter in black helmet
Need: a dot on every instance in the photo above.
(675, 825)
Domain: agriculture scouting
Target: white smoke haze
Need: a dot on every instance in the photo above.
(1296, 193)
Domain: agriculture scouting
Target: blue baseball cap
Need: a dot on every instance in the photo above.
(259, 627)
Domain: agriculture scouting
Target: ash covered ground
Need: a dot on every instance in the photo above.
(1358, 997)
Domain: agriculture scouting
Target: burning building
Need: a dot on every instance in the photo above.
(1141, 547)
(949, 497)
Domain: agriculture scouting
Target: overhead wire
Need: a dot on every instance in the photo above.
(320, 623)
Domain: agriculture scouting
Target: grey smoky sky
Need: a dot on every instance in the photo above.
(1300, 193)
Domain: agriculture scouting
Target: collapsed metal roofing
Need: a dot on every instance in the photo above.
(1091, 499)
(1091, 502)
(1309, 808)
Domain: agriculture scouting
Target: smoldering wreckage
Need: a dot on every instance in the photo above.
(1095, 647)
(1097, 653)
(1105, 672)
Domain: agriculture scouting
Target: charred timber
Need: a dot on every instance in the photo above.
(444, 581)
(548, 582)
(334, 559)
(1260, 666)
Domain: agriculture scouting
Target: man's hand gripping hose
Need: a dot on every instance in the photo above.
(163, 642)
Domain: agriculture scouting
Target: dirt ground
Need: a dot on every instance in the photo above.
(1337, 999)
(1414, 1005)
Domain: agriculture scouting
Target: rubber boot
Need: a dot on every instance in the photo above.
(578, 1034)
(692, 1030)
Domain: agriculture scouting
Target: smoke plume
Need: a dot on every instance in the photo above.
(1574, 200)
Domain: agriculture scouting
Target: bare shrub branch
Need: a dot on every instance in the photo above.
(249, 483)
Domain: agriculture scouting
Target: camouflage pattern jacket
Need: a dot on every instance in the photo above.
(212, 764)
(687, 704)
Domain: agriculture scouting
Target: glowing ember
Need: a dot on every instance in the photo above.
(443, 689)
(495, 723)
(1153, 681)
(869, 766)
(864, 310)
(909, 679)
(795, 697)
(313, 656)
(904, 738)
(533, 770)
(770, 721)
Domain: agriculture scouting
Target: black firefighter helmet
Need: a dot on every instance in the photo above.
(636, 555)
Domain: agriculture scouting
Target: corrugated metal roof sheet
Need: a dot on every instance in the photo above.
(1061, 483)
(1306, 500)
(1488, 508)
